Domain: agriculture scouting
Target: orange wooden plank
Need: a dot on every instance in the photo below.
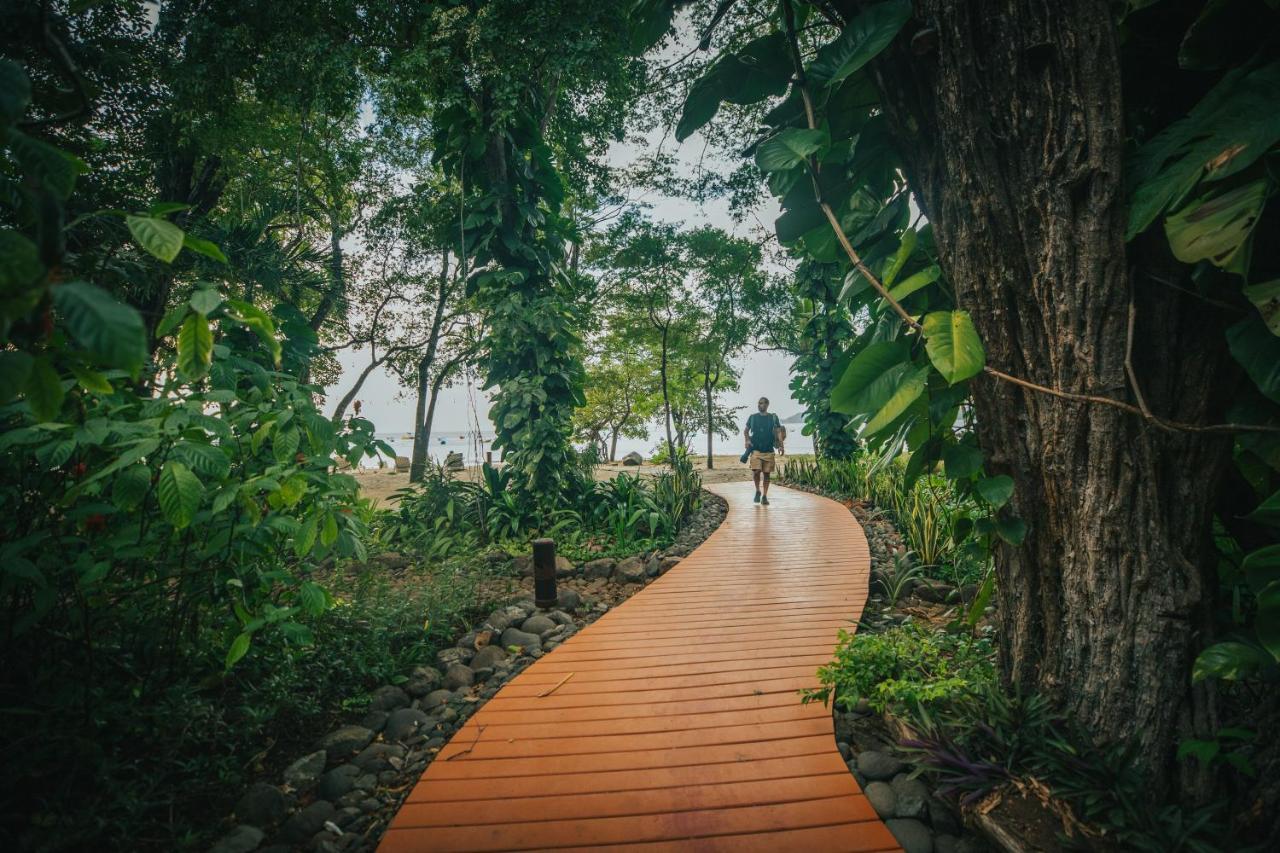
(680, 726)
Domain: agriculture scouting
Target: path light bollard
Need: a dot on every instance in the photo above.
(544, 573)
(488, 457)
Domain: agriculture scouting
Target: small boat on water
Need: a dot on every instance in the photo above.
(408, 436)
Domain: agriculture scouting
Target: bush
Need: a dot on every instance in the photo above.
(903, 668)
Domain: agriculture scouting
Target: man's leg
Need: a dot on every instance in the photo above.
(765, 495)
(755, 477)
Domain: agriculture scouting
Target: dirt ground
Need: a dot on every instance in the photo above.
(381, 484)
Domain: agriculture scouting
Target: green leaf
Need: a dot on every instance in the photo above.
(239, 648)
(20, 267)
(1202, 751)
(1216, 226)
(205, 300)
(850, 395)
(860, 41)
(1011, 530)
(907, 392)
(15, 368)
(15, 93)
(180, 493)
(914, 282)
(961, 461)
(789, 148)
(329, 532)
(996, 490)
(1229, 661)
(158, 236)
(44, 390)
(130, 486)
(1267, 621)
(203, 458)
(107, 328)
(285, 444)
(1266, 297)
(981, 601)
(761, 69)
(1231, 127)
(52, 167)
(204, 247)
(195, 346)
(1268, 512)
(1258, 352)
(92, 380)
(953, 345)
(900, 257)
(305, 539)
(313, 598)
(258, 321)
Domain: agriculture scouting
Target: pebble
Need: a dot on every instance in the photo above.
(538, 623)
(944, 843)
(307, 822)
(488, 658)
(337, 782)
(912, 796)
(630, 570)
(347, 740)
(388, 698)
(601, 568)
(879, 766)
(374, 720)
(423, 680)
(380, 756)
(242, 839)
(846, 751)
(913, 835)
(458, 675)
(405, 723)
(444, 657)
(882, 798)
(303, 773)
(943, 818)
(261, 805)
(528, 642)
(569, 599)
(436, 698)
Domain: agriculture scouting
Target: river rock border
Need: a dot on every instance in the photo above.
(922, 821)
(342, 795)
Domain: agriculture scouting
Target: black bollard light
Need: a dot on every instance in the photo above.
(544, 573)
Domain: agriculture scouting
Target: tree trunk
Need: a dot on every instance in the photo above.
(706, 387)
(613, 443)
(418, 461)
(355, 389)
(666, 398)
(1011, 132)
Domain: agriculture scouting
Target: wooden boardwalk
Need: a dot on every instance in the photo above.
(679, 727)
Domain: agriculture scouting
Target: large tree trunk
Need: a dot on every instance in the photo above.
(666, 397)
(1011, 130)
(421, 431)
(341, 408)
(706, 388)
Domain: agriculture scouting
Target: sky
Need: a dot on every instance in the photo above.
(763, 374)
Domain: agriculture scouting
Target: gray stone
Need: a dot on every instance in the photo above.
(468, 641)
(525, 606)
(527, 642)
(912, 796)
(911, 834)
(405, 723)
(846, 751)
(667, 564)
(423, 680)
(601, 568)
(307, 822)
(630, 570)
(388, 698)
(242, 839)
(943, 818)
(488, 658)
(365, 782)
(944, 843)
(633, 459)
(458, 675)
(882, 798)
(523, 565)
(933, 590)
(337, 782)
(436, 698)
(374, 721)
(651, 567)
(498, 621)
(445, 657)
(879, 766)
(303, 773)
(380, 756)
(569, 599)
(346, 741)
(564, 568)
(538, 623)
(261, 805)
(351, 799)
(560, 617)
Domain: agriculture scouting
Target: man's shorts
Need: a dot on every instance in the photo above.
(762, 462)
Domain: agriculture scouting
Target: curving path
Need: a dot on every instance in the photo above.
(678, 727)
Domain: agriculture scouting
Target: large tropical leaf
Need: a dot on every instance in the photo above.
(788, 148)
(1266, 296)
(907, 390)
(1216, 226)
(109, 329)
(158, 236)
(1231, 127)
(761, 69)
(953, 345)
(860, 41)
(195, 346)
(1258, 352)
(850, 394)
(179, 492)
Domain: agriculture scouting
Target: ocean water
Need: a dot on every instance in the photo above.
(473, 445)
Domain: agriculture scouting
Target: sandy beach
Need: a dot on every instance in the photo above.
(381, 484)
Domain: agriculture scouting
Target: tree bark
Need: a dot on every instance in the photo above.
(1011, 132)
(666, 398)
(418, 460)
(341, 408)
(706, 387)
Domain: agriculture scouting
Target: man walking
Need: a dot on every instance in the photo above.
(762, 432)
